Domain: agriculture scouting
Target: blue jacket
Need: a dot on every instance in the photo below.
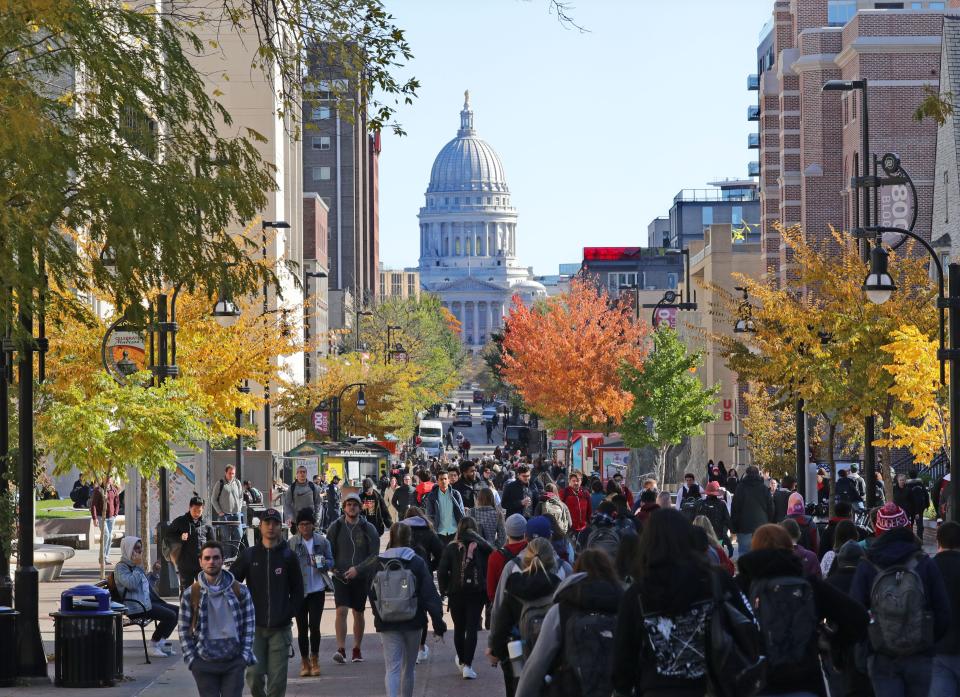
(896, 547)
(433, 505)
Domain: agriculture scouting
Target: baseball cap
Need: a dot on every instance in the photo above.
(539, 526)
(271, 514)
(353, 497)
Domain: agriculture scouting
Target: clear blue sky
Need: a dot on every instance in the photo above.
(597, 131)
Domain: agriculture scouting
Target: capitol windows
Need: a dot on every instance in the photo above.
(446, 201)
(488, 200)
(469, 246)
(478, 200)
(456, 247)
(497, 199)
(479, 246)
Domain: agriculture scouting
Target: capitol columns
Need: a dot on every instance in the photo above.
(489, 318)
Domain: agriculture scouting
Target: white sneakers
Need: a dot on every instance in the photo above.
(156, 649)
(423, 654)
(469, 673)
(456, 659)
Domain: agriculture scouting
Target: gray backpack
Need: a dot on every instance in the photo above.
(901, 624)
(395, 592)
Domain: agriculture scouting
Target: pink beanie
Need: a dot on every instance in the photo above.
(795, 504)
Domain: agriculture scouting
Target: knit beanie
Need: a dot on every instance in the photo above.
(795, 504)
(891, 516)
(516, 526)
(539, 526)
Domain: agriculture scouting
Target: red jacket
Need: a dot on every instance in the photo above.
(97, 503)
(579, 505)
(495, 565)
(423, 488)
(629, 495)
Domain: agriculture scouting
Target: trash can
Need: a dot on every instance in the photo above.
(121, 610)
(8, 646)
(85, 639)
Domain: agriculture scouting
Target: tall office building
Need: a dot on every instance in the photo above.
(809, 140)
(340, 164)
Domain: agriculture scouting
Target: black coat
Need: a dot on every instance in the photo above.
(403, 498)
(513, 493)
(275, 581)
(468, 492)
(949, 563)
(667, 591)
(188, 562)
(752, 505)
(449, 571)
(848, 616)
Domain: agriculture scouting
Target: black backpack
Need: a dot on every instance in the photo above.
(690, 507)
(847, 490)
(735, 660)
(785, 608)
(472, 568)
(585, 667)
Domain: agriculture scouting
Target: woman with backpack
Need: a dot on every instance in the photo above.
(575, 646)
(527, 596)
(426, 543)
(462, 579)
(796, 510)
(723, 559)
(398, 626)
(844, 532)
(790, 609)
(660, 641)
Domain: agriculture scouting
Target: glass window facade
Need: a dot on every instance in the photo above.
(706, 215)
(839, 12)
(736, 215)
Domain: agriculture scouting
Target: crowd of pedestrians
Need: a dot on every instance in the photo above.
(587, 588)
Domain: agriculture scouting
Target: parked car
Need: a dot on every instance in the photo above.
(463, 418)
(488, 413)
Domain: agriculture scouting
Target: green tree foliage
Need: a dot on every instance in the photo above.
(669, 401)
(121, 427)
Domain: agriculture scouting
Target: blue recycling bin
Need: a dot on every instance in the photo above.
(85, 638)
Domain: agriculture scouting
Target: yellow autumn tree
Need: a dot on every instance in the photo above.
(916, 386)
(770, 430)
(820, 339)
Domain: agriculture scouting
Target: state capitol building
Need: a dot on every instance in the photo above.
(468, 237)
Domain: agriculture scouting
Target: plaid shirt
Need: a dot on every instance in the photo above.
(194, 645)
(490, 523)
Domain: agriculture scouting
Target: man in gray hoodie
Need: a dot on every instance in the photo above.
(227, 504)
(302, 494)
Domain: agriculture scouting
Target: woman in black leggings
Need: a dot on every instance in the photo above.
(313, 553)
(462, 578)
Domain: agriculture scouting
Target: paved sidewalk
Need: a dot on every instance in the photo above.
(164, 677)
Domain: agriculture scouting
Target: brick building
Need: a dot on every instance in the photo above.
(809, 139)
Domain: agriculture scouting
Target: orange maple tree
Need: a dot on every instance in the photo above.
(563, 356)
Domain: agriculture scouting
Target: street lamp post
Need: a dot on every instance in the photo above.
(879, 286)
(390, 348)
(862, 185)
(335, 407)
(360, 312)
(275, 225)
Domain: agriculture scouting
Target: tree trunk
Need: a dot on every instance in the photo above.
(662, 466)
(145, 524)
(831, 500)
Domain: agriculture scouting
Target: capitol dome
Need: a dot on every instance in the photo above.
(467, 163)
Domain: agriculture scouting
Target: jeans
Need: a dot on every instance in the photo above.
(164, 613)
(308, 624)
(900, 677)
(272, 650)
(231, 533)
(107, 538)
(744, 540)
(945, 680)
(400, 659)
(466, 610)
(216, 679)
